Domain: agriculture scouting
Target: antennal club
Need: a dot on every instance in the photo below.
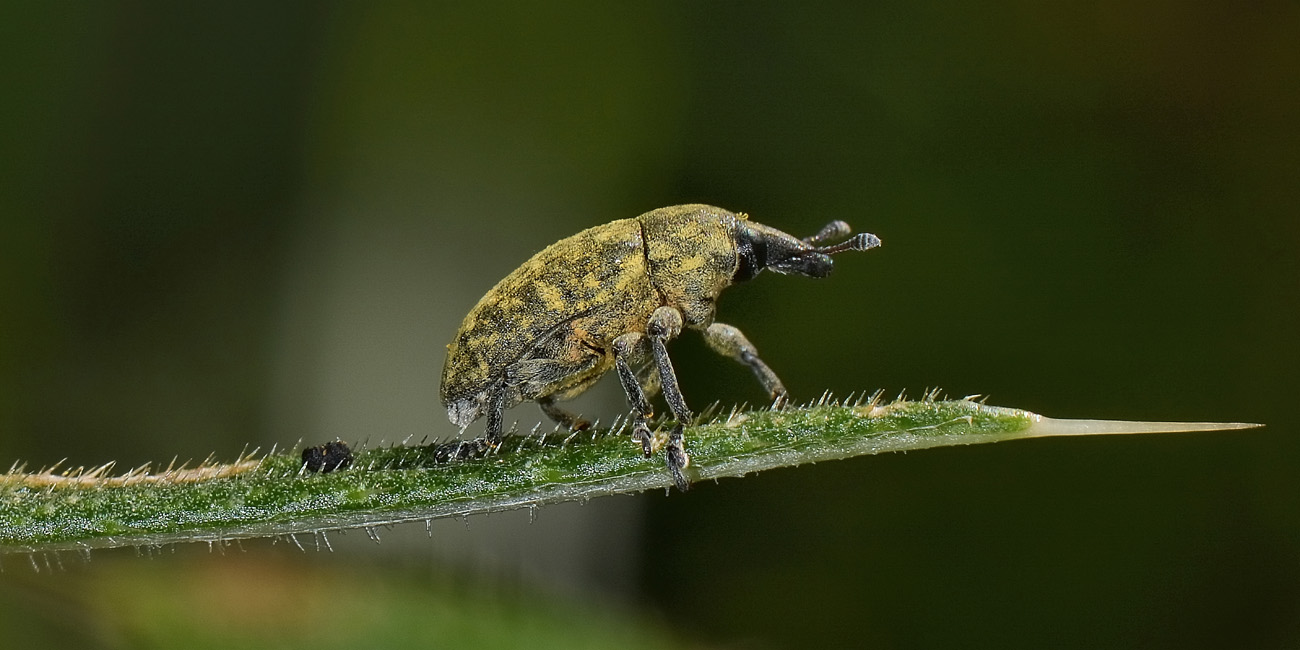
(860, 242)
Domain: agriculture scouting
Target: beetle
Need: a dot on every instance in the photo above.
(610, 298)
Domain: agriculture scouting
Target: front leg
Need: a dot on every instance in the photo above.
(664, 324)
(561, 416)
(730, 342)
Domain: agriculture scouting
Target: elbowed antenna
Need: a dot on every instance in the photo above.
(860, 242)
(835, 230)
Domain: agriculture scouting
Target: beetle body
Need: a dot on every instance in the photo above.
(548, 328)
(609, 298)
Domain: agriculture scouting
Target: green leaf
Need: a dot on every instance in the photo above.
(273, 495)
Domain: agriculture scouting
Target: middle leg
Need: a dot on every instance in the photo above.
(629, 347)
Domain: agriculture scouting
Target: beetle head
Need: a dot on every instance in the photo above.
(761, 247)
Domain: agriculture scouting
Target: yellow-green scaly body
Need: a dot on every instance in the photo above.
(547, 329)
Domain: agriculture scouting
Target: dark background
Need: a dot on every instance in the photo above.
(261, 222)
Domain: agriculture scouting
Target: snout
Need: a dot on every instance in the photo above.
(811, 264)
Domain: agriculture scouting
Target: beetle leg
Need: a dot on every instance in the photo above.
(478, 447)
(563, 417)
(666, 323)
(730, 342)
(630, 346)
(496, 408)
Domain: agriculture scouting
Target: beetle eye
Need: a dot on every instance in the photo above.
(751, 254)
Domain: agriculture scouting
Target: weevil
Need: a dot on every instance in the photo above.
(611, 298)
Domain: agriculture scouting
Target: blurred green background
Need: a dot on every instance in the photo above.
(261, 222)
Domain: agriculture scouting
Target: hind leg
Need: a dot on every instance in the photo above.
(467, 449)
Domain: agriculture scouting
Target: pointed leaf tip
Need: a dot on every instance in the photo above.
(1045, 426)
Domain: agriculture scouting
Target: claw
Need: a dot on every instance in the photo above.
(677, 459)
(780, 400)
(641, 434)
(463, 450)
